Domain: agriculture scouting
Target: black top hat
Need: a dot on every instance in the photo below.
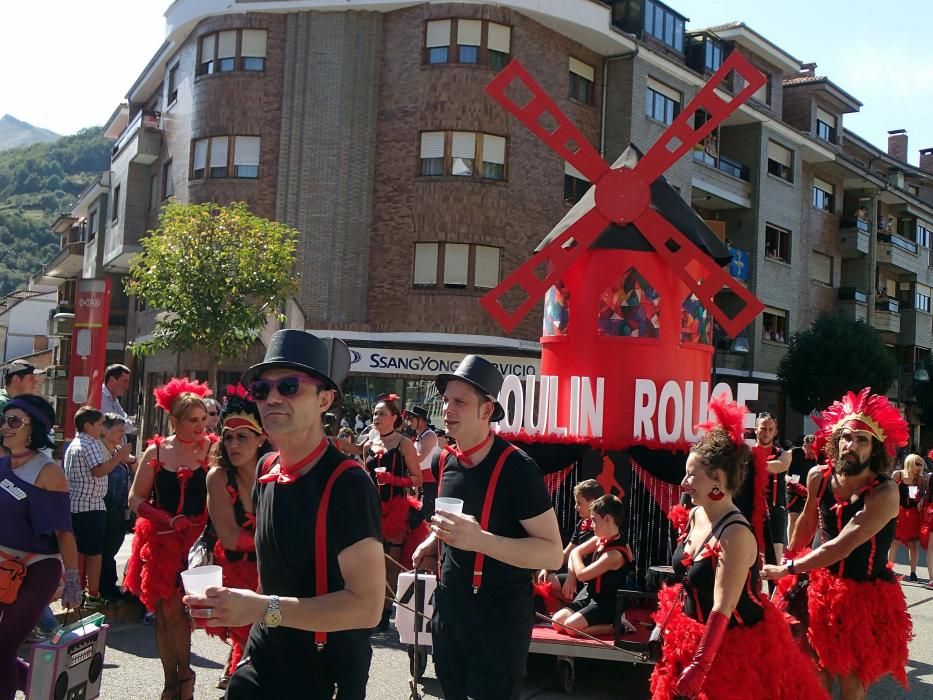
(327, 359)
(417, 412)
(482, 375)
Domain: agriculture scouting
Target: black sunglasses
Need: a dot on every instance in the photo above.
(286, 386)
(15, 422)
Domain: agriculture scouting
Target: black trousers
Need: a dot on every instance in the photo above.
(114, 534)
(481, 644)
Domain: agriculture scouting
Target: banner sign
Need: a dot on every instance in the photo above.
(428, 363)
(88, 348)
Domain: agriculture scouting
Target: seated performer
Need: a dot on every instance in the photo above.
(602, 564)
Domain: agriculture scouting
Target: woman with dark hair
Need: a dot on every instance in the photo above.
(230, 485)
(169, 494)
(721, 637)
(35, 532)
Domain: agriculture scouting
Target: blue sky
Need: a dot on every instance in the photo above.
(67, 64)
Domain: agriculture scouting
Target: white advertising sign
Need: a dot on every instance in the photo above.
(427, 363)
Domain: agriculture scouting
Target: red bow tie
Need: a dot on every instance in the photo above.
(586, 525)
(465, 458)
(287, 475)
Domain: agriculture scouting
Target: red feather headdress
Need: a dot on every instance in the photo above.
(240, 410)
(168, 393)
(728, 415)
(866, 412)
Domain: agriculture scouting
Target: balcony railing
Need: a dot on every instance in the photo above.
(145, 119)
(851, 294)
(726, 165)
(898, 242)
(889, 305)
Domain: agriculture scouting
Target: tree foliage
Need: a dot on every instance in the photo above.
(834, 355)
(217, 272)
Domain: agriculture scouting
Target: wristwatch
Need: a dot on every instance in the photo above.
(273, 616)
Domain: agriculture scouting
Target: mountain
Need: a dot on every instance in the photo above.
(37, 183)
(15, 133)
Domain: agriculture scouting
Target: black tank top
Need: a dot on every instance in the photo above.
(701, 579)
(243, 519)
(904, 493)
(603, 588)
(394, 464)
(868, 561)
(182, 492)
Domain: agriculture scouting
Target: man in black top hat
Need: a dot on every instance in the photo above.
(425, 441)
(311, 623)
(483, 610)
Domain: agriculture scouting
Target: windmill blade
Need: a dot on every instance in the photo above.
(565, 139)
(678, 252)
(552, 260)
(682, 136)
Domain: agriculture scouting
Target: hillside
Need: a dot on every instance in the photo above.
(37, 183)
(18, 134)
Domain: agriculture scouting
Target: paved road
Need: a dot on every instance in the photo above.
(132, 670)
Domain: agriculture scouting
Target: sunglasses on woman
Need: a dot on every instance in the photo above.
(15, 422)
(286, 386)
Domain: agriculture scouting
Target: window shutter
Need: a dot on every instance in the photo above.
(821, 268)
(499, 37)
(779, 153)
(581, 69)
(823, 185)
(456, 262)
(469, 32)
(825, 116)
(226, 45)
(438, 33)
(923, 289)
(464, 145)
(775, 312)
(432, 144)
(573, 172)
(425, 263)
(207, 47)
(200, 154)
(246, 150)
(494, 149)
(486, 273)
(663, 89)
(254, 43)
(219, 152)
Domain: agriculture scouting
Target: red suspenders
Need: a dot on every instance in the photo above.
(625, 560)
(487, 506)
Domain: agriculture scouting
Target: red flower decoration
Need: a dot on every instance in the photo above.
(238, 390)
(156, 439)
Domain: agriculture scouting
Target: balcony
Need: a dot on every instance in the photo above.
(722, 183)
(887, 317)
(854, 238)
(141, 140)
(66, 264)
(916, 328)
(898, 252)
(853, 303)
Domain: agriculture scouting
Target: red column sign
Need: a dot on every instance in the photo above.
(88, 348)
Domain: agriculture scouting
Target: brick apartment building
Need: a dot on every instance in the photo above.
(366, 127)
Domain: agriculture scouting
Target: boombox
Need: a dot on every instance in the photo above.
(416, 595)
(69, 665)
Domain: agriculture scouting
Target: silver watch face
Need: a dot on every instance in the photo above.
(273, 616)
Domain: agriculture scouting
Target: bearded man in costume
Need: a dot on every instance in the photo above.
(858, 626)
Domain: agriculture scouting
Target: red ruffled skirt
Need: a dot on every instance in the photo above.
(859, 628)
(761, 660)
(395, 518)
(157, 560)
(237, 574)
(909, 521)
(926, 526)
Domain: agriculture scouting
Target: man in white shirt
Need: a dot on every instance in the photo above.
(116, 382)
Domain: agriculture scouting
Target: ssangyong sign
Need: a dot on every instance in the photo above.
(427, 363)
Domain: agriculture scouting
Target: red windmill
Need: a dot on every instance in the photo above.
(658, 277)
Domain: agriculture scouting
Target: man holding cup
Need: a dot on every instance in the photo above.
(505, 529)
(318, 539)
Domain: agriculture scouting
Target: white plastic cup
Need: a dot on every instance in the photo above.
(197, 580)
(380, 470)
(448, 505)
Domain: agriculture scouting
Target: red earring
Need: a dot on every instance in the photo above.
(716, 494)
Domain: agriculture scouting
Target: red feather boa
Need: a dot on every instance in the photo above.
(552, 601)
(395, 518)
(760, 500)
(679, 515)
(415, 537)
(736, 674)
(925, 528)
(909, 522)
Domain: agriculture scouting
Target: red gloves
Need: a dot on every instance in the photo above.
(385, 478)
(245, 541)
(693, 677)
(163, 518)
(796, 489)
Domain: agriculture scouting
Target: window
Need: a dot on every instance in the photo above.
(115, 213)
(780, 161)
(199, 160)
(493, 157)
(246, 157)
(825, 125)
(463, 153)
(217, 156)
(713, 55)
(575, 185)
(168, 180)
(664, 25)
(774, 325)
(453, 260)
(218, 51)
(437, 40)
(923, 234)
(823, 194)
(922, 295)
(469, 40)
(432, 153)
(92, 225)
(172, 84)
(153, 191)
(498, 42)
(777, 243)
(581, 81)
(821, 268)
(661, 102)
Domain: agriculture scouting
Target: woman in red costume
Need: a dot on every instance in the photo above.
(169, 494)
(722, 639)
(910, 485)
(392, 462)
(926, 508)
(230, 485)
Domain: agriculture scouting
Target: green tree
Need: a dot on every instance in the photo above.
(834, 355)
(218, 272)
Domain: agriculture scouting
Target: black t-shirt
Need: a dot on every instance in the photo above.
(776, 486)
(800, 464)
(285, 527)
(520, 495)
(582, 532)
